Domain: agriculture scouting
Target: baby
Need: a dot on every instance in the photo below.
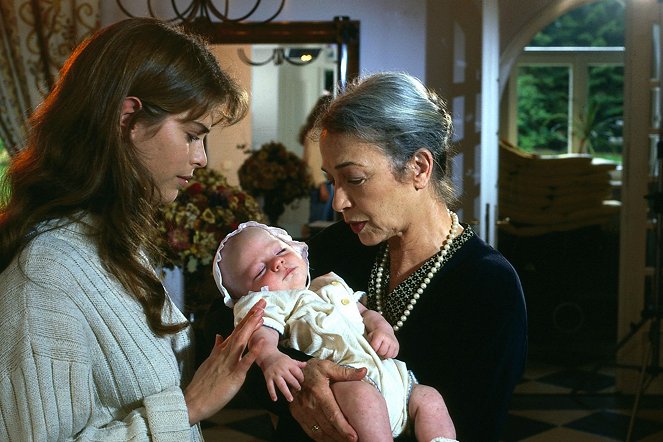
(324, 320)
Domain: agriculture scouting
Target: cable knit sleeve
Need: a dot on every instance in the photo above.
(78, 361)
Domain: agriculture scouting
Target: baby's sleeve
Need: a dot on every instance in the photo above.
(279, 305)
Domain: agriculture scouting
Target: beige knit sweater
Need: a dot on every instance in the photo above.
(77, 358)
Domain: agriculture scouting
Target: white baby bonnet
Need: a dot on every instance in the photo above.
(277, 232)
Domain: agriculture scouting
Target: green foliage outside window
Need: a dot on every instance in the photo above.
(543, 111)
(603, 130)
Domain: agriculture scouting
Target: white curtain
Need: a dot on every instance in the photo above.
(36, 37)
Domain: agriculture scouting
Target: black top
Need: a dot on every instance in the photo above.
(466, 336)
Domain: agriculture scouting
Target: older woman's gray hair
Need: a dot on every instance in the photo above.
(400, 115)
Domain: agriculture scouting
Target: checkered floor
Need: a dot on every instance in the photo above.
(579, 404)
(552, 403)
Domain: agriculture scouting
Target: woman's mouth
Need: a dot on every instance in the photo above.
(183, 180)
(357, 226)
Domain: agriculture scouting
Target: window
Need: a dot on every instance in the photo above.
(566, 91)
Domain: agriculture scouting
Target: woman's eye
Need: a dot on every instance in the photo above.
(356, 181)
(192, 137)
(281, 251)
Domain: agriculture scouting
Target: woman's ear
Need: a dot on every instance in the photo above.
(422, 165)
(129, 106)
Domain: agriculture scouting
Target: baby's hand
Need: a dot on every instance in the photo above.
(282, 372)
(384, 342)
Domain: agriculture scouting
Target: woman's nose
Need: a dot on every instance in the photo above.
(340, 200)
(199, 158)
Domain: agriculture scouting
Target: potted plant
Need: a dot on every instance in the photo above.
(276, 175)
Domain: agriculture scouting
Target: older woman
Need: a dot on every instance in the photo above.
(455, 303)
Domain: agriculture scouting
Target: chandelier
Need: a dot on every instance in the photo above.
(199, 11)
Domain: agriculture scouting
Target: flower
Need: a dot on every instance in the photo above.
(204, 212)
(276, 174)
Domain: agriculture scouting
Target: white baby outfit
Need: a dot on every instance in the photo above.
(324, 322)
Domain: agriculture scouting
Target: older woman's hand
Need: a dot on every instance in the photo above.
(315, 407)
(220, 376)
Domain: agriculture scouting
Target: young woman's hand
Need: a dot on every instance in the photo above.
(220, 376)
(315, 407)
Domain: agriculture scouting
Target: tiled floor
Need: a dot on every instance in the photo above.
(545, 408)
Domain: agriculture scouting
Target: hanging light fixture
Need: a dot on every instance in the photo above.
(293, 56)
(202, 11)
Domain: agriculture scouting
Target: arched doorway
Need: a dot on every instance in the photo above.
(569, 271)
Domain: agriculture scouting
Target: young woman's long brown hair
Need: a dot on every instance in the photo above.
(79, 160)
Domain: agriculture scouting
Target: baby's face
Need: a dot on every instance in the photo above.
(254, 259)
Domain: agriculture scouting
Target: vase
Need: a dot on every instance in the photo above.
(199, 292)
(273, 207)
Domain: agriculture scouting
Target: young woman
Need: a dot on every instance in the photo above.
(92, 346)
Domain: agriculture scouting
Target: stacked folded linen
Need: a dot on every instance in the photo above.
(548, 193)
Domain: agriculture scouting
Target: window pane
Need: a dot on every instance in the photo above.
(603, 122)
(543, 112)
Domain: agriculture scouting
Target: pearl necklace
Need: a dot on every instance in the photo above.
(444, 250)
